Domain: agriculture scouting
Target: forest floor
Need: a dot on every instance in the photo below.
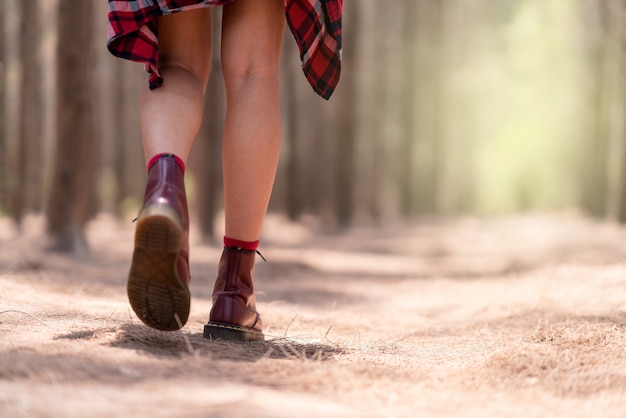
(523, 316)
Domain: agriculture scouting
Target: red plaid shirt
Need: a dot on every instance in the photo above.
(315, 24)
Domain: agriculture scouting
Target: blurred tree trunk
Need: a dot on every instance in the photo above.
(345, 106)
(293, 204)
(455, 149)
(208, 164)
(3, 101)
(128, 161)
(26, 164)
(73, 174)
(615, 121)
(379, 64)
(121, 132)
(621, 211)
(305, 151)
(594, 174)
(621, 33)
(406, 161)
(429, 108)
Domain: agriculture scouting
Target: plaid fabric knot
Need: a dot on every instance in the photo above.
(315, 24)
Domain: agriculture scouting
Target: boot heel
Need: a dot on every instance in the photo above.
(159, 229)
(216, 331)
(154, 288)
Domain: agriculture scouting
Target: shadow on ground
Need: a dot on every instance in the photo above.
(179, 344)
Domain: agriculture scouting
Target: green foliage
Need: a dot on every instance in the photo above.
(520, 93)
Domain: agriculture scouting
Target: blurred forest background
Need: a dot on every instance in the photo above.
(445, 107)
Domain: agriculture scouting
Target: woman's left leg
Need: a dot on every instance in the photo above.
(252, 33)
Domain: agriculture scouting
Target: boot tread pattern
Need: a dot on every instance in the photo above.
(155, 291)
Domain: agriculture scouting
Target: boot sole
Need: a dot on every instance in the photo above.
(156, 293)
(217, 331)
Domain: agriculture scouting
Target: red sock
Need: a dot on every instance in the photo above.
(240, 245)
(179, 161)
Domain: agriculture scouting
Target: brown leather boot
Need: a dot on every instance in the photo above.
(158, 282)
(234, 315)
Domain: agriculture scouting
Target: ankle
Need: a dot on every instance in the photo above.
(179, 161)
(235, 244)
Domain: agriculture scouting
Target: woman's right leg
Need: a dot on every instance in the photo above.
(171, 114)
(158, 281)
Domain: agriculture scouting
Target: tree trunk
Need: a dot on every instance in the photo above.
(3, 140)
(379, 65)
(208, 164)
(621, 212)
(128, 160)
(594, 181)
(293, 203)
(346, 103)
(406, 178)
(32, 105)
(26, 164)
(429, 136)
(120, 133)
(68, 208)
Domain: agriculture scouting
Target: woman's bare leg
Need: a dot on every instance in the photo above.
(171, 114)
(158, 281)
(251, 45)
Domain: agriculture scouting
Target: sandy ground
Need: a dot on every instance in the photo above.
(519, 317)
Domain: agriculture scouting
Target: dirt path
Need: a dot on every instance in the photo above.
(517, 317)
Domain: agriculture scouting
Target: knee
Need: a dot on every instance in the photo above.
(198, 71)
(245, 70)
